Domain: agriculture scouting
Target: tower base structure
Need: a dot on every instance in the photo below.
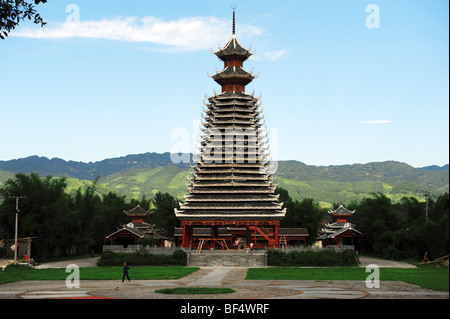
(229, 234)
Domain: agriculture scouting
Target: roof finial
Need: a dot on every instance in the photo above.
(234, 18)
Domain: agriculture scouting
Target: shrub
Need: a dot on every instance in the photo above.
(178, 258)
(107, 259)
(312, 258)
(349, 257)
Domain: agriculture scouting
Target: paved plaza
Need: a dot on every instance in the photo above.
(231, 277)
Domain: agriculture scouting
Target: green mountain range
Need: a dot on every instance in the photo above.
(146, 174)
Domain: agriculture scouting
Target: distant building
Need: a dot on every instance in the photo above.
(23, 248)
(341, 233)
(134, 232)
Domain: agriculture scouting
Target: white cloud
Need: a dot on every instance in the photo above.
(274, 55)
(194, 33)
(268, 55)
(376, 122)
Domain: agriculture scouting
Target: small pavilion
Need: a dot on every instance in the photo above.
(341, 233)
(136, 230)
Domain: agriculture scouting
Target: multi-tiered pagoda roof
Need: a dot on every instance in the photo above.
(340, 227)
(230, 180)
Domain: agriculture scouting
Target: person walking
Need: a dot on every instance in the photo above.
(425, 257)
(125, 272)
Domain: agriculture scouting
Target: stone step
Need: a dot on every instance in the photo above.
(226, 260)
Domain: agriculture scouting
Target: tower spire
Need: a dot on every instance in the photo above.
(234, 18)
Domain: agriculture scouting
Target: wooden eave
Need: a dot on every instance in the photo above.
(261, 190)
(216, 199)
(229, 207)
(128, 230)
(232, 183)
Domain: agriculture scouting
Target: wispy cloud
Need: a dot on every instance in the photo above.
(376, 122)
(268, 55)
(190, 34)
(274, 55)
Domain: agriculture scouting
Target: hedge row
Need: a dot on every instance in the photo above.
(312, 258)
(178, 258)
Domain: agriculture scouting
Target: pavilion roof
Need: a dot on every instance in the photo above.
(332, 234)
(226, 96)
(233, 48)
(137, 211)
(342, 211)
(293, 231)
(230, 214)
(134, 231)
(233, 72)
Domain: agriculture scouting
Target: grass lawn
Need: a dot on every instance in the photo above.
(425, 276)
(19, 273)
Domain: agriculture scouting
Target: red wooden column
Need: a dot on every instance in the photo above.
(276, 235)
(183, 244)
(186, 235)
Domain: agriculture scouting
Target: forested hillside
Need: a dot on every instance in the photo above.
(146, 174)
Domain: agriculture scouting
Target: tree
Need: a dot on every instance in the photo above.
(305, 214)
(163, 216)
(413, 210)
(308, 215)
(437, 227)
(87, 207)
(14, 11)
(377, 219)
(284, 195)
(112, 214)
(43, 213)
(400, 231)
(145, 203)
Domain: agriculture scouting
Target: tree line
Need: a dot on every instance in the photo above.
(404, 230)
(64, 224)
(401, 230)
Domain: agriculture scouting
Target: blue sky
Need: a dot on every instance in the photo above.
(111, 78)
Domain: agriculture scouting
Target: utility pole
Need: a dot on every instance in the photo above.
(17, 223)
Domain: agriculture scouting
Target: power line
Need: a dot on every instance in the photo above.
(17, 201)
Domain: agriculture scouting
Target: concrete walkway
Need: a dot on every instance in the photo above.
(231, 277)
(383, 263)
(85, 262)
(218, 277)
(213, 278)
(5, 262)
